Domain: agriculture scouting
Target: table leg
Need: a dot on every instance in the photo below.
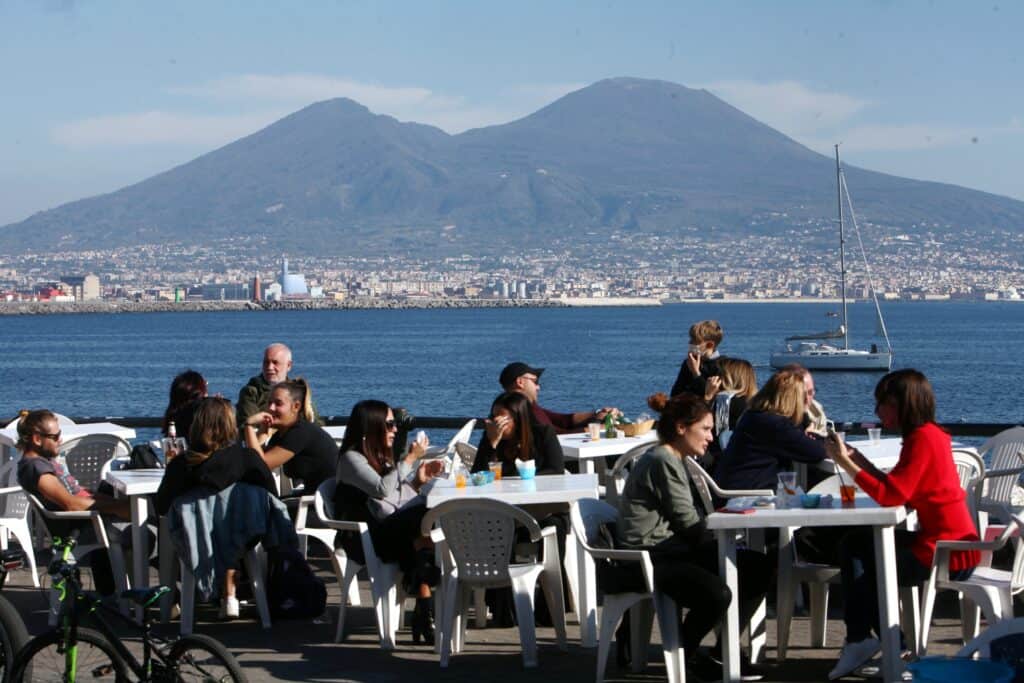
(586, 594)
(784, 593)
(730, 636)
(888, 605)
(140, 545)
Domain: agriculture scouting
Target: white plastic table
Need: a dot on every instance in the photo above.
(9, 435)
(865, 512)
(581, 447)
(544, 490)
(137, 486)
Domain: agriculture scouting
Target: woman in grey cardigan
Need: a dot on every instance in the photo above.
(373, 488)
(657, 513)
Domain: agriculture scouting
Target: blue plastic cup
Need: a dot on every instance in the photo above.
(526, 472)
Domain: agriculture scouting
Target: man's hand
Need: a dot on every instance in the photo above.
(602, 413)
(693, 362)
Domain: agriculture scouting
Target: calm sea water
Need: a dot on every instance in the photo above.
(446, 362)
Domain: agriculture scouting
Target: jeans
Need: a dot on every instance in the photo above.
(859, 580)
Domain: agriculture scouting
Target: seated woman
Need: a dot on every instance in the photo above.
(187, 389)
(215, 460)
(925, 479)
(42, 474)
(305, 450)
(389, 494)
(657, 513)
(769, 437)
(511, 433)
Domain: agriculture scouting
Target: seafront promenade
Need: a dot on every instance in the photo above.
(303, 650)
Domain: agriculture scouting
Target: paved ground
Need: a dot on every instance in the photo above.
(304, 651)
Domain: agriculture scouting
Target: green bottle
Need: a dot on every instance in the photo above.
(609, 426)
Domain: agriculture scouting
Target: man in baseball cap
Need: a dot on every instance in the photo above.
(525, 379)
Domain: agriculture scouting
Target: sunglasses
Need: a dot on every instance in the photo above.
(389, 424)
(55, 437)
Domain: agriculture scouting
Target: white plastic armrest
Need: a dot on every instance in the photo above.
(736, 493)
(9, 489)
(949, 546)
(72, 514)
(992, 474)
(341, 525)
(548, 531)
(437, 535)
(611, 554)
(305, 502)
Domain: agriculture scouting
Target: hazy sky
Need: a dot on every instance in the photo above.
(96, 95)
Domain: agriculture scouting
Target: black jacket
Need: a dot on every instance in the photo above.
(546, 453)
(762, 445)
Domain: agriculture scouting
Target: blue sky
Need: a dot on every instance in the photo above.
(101, 94)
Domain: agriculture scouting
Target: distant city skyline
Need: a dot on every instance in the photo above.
(107, 94)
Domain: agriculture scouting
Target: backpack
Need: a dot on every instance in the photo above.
(293, 590)
(143, 457)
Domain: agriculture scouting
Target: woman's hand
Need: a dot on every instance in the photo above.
(427, 471)
(417, 449)
(693, 362)
(496, 428)
(260, 421)
(712, 387)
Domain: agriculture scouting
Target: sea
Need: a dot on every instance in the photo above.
(445, 362)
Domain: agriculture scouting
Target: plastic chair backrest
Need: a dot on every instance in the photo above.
(323, 503)
(1017, 572)
(703, 481)
(15, 504)
(86, 456)
(462, 436)
(466, 453)
(62, 420)
(969, 466)
(480, 535)
(1003, 449)
(587, 515)
(616, 477)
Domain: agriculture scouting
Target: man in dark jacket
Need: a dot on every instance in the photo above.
(526, 380)
(255, 395)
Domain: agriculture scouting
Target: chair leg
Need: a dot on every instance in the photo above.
(641, 617)
(452, 602)
(758, 631)
(480, 607)
(21, 532)
(347, 583)
(254, 565)
(522, 598)
(551, 584)
(167, 570)
(188, 599)
(819, 613)
(671, 644)
(611, 615)
(928, 591)
(970, 619)
(909, 616)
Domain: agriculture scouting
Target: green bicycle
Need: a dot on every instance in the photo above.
(70, 651)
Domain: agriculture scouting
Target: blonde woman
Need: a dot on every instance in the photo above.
(769, 436)
(738, 386)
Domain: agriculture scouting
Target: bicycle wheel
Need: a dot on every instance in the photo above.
(13, 637)
(197, 657)
(42, 659)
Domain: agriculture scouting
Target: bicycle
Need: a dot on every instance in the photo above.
(69, 650)
(13, 634)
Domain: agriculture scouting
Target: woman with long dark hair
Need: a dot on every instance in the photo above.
(299, 444)
(925, 479)
(657, 513)
(376, 487)
(511, 433)
(186, 389)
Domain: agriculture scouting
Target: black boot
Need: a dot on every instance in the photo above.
(423, 621)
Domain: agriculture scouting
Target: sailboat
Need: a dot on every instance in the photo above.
(819, 351)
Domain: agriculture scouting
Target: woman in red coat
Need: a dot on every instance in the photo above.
(925, 479)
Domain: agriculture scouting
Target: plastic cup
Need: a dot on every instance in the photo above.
(788, 482)
(495, 468)
(460, 480)
(527, 472)
(875, 434)
(594, 431)
(847, 493)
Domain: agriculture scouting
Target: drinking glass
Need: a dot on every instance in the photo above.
(594, 430)
(496, 469)
(788, 482)
(875, 434)
(847, 493)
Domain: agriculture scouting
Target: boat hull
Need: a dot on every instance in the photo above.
(834, 359)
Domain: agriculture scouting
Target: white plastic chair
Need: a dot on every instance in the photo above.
(62, 420)
(114, 552)
(1004, 451)
(14, 516)
(979, 646)
(587, 515)
(345, 570)
(615, 480)
(970, 468)
(989, 589)
(476, 539)
(86, 456)
(385, 577)
(254, 567)
(461, 436)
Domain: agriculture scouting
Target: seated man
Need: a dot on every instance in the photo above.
(524, 379)
(44, 476)
(255, 395)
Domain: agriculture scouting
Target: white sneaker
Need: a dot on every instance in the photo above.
(229, 608)
(853, 656)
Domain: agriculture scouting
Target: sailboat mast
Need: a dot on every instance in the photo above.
(842, 251)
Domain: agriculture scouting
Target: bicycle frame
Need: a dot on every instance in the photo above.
(74, 600)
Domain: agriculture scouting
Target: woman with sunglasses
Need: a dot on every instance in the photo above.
(376, 487)
(42, 474)
(299, 445)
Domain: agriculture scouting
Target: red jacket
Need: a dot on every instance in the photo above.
(926, 479)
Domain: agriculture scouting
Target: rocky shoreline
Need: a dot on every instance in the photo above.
(54, 308)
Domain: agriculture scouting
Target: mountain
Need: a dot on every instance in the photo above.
(623, 153)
